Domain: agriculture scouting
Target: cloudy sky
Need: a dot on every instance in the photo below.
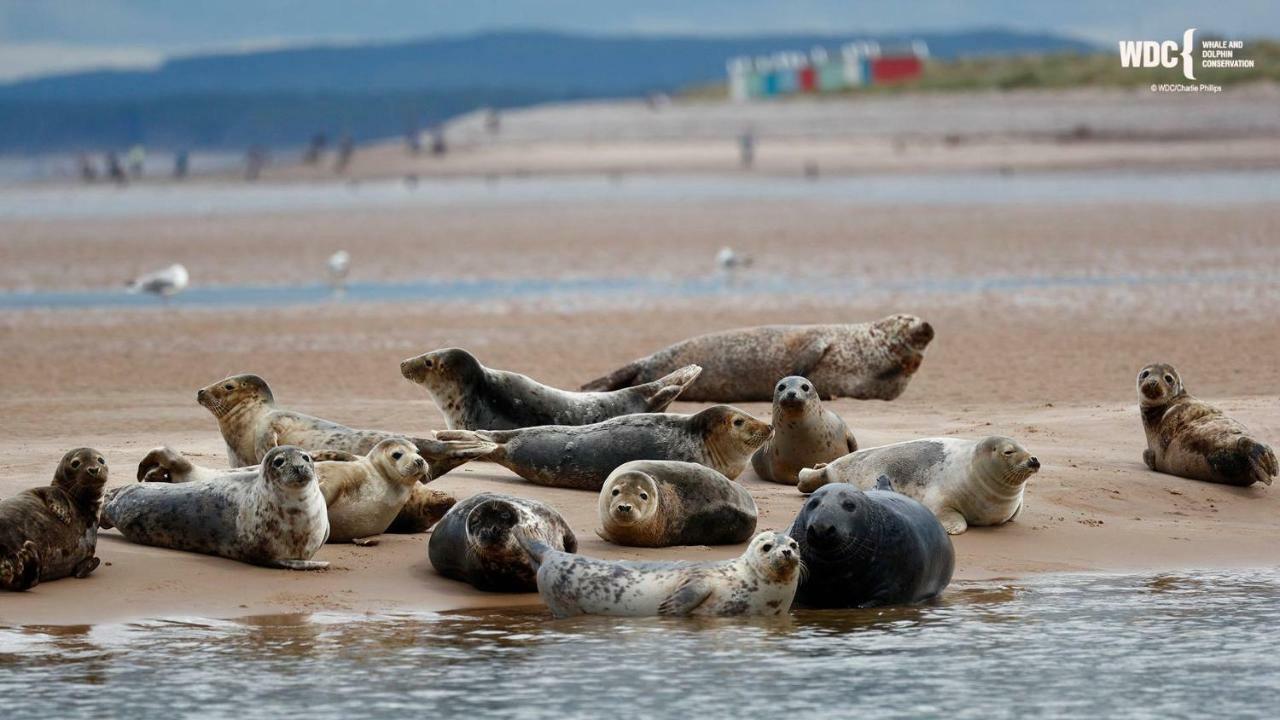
(43, 36)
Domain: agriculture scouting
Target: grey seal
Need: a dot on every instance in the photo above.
(659, 503)
(476, 542)
(804, 433)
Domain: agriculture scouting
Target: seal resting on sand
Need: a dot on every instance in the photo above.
(804, 433)
(51, 532)
(474, 397)
(475, 541)
(964, 482)
(869, 549)
(761, 581)
(1193, 439)
(659, 503)
(868, 361)
(582, 456)
(251, 424)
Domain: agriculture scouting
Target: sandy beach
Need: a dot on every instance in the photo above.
(1044, 313)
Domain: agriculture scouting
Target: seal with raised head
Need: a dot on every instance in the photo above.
(582, 456)
(51, 532)
(761, 581)
(864, 549)
(1193, 439)
(251, 424)
(476, 542)
(868, 361)
(659, 503)
(273, 516)
(964, 482)
(474, 397)
(804, 433)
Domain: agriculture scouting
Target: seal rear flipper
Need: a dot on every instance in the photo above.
(298, 564)
(662, 392)
(810, 479)
(161, 464)
(1262, 460)
(21, 570)
(686, 598)
(623, 377)
(533, 547)
(452, 448)
(883, 483)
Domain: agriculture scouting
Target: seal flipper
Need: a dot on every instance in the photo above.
(333, 456)
(809, 356)
(882, 483)
(86, 566)
(686, 598)
(21, 570)
(623, 377)
(298, 564)
(664, 391)
(162, 465)
(1262, 460)
(451, 448)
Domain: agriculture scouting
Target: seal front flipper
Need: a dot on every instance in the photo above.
(298, 564)
(86, 566)
(691, 593)
(365, 541)
(333, 456)
(1149, 457)
(952, 521)
(21, 570)
(623, 377)
(664, 391)
(808, 357)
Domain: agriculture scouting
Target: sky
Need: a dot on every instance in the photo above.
(48, 36)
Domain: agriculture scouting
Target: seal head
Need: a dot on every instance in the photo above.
(230, 394)
(632, 499)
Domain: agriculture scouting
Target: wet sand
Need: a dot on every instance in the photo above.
(1052, 367)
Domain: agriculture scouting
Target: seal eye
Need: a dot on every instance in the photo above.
(781, 387)
(739, 422)
(1144, 375)
(616, 491)
(849, 505)
(1009, 451)
(1168, 379)
(644, 496)
(228, 386)
(428, 364)
(101, 461)
(278, 462)
(397, 455)
(766, 547)
(804, 388)
(506, 517)
(306, 458)
(75, 464)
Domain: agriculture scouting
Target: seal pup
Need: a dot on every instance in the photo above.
(475, 541)
(761, 581)
(50, 532)
(864, 549)
(659, 503)
(474, 397)
(964, 482)
(251, 424)
(273, 516)
(868, 361)
(804, 433)
(1193, 439)
(582, 456)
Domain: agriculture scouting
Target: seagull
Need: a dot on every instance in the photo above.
(163, 283)
(728, 260)
(339, 264)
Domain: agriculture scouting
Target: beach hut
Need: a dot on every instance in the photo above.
(830, 71)
(895, 68)
(739, 72)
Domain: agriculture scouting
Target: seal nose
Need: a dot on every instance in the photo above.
(820, 533)
(1034, 463)
(791, 395)
(786, 553)
(406, 368)
(93, 470)
(624, 508)
(419, 462)
(200, 395)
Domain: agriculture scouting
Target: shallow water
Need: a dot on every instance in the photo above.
(1067, 646)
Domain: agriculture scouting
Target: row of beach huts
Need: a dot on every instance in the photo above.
(856, 64)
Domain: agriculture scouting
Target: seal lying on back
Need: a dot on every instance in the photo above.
(474, 397)
(51, 532)
(964, 482)
(804, 433)
(868, 549)
(475, 541)
(582, 456)
(251, 424)
(659, 503)
(761, 581)
(1193, 439)
(870, 361)
(273, 515)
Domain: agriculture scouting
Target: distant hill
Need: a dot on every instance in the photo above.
(280, 97)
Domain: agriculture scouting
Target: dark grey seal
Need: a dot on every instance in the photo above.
(475, 541)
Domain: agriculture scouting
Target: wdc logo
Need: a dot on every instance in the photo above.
(1150, 54)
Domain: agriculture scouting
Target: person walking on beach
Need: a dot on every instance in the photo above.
(346, 149)
(114, 170)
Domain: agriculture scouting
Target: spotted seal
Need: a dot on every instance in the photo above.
(761, 581)
(804, 433)
(1193, 439)
(475, 541)
(869, 361)
(251, 424)
(51, 532)
(659, 503)
(582, 456)
(474, 397)
(864, 549)
(273, 516)
(964, 482)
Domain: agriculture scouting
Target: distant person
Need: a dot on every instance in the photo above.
(88, 172)
(413, 138)
(438, 147)
(492, 121)
(255, 159)
(346, 148)
(136, 158)
(315, 149)
(181, 164)
(747, 149)
(115, 171)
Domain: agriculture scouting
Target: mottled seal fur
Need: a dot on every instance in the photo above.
(474, 397)
(476, 542)
(864, 549)
(273, 515)
(659, 503)
(1192, 439)
(804, 433)
(251, 424)
(582, 456)
(761, 581)
(51, 532)
(869, 361)
(424, 508)
(964, 482)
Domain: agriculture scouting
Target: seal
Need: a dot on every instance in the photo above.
(251, 425)
(804, 433)
(474, 397)
(964, 482)
(660, 503)
(476, 542)
(761, 581)
(869, 361)
(1193, 439)
(864, 549)
(424, 508)
(582, 456)
(273, 515)
(51, 532)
